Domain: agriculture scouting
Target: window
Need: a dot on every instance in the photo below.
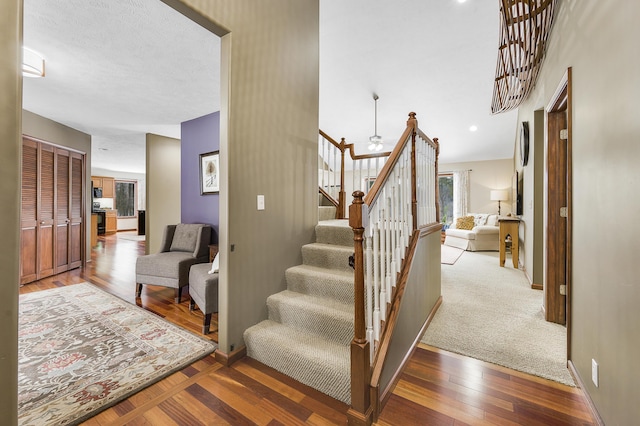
(445, 188)
(126, 198)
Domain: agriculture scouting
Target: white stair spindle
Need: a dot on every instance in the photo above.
(383, 258)
(369, 286)
(376, 281)
(321, 165)
(387, 247)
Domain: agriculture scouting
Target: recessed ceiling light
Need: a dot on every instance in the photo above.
(461, 1)
(473, 128)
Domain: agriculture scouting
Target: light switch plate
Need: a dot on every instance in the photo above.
(260, 202)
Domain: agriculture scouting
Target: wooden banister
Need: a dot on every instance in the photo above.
(387, 223)
(361, 410)
(355, 221)
(328, 197)
(412, 124)
(339, 200)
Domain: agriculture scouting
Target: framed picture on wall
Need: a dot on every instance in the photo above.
(210, 173)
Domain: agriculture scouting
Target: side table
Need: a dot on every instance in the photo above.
(509, 228)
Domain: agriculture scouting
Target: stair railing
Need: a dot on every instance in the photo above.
(335, 169)
(402, 200)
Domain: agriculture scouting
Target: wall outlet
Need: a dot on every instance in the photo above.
(594, 372)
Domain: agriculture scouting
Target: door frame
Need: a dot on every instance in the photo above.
(561, 101)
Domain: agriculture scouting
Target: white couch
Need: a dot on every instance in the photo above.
(484, 236)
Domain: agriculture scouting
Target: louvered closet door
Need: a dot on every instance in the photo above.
(62, 218)
(37, 211)
(75, 210)
(29, 215)
(46, 210)
(51, 235)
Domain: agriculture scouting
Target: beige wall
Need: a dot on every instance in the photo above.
(10, 143)
(269, 137)
(485, 177)
(599, 40)
(163, 188)
(53, 132)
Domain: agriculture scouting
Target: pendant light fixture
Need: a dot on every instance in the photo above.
(375, 141)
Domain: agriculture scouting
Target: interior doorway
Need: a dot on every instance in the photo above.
(557, 285)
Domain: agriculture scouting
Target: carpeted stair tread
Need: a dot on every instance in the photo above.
(336, 232)
(328, 256)
(326, 213)
(310, 324)
(320, 363)
(316, 281)
(323, 201)
(327, 318)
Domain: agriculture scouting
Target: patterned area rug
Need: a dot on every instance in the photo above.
(82, 350)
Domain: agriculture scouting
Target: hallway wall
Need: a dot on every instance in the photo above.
(598, 40)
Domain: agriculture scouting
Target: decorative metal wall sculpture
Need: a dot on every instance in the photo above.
(524, 28)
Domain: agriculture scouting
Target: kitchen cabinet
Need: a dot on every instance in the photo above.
(105, 183)
(111, 225)
(107, 187)
(94, 230)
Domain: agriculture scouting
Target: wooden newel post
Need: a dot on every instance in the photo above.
(360, 412)
(342, 195)
(414, 185)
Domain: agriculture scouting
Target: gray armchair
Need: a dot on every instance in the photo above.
(183, 245)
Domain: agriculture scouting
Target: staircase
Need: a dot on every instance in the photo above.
(310, 325)
(326, 210)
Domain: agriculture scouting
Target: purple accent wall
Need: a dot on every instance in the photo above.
(199, 136)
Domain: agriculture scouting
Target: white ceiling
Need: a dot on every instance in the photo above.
(120, 69)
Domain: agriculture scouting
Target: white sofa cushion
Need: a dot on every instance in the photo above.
(461, 233)
(492, 220)
(486, 229)
(479, 218)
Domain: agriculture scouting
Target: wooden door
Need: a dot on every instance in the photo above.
(51, 235)
(556, 219)
(62, 218)
(557, 284)
(46, 211)
(29, 266)
(37, 211)
(75, 210)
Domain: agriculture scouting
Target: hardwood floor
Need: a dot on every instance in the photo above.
(436, 388)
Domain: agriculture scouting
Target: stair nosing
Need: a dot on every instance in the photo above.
(324, 302)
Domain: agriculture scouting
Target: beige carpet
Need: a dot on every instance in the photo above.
(449, 255)
(310, 324)
(491, 313)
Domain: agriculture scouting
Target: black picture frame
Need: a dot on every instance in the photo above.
(210, 173)
(524, 143)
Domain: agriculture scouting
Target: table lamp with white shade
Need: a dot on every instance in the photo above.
(499, 195)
